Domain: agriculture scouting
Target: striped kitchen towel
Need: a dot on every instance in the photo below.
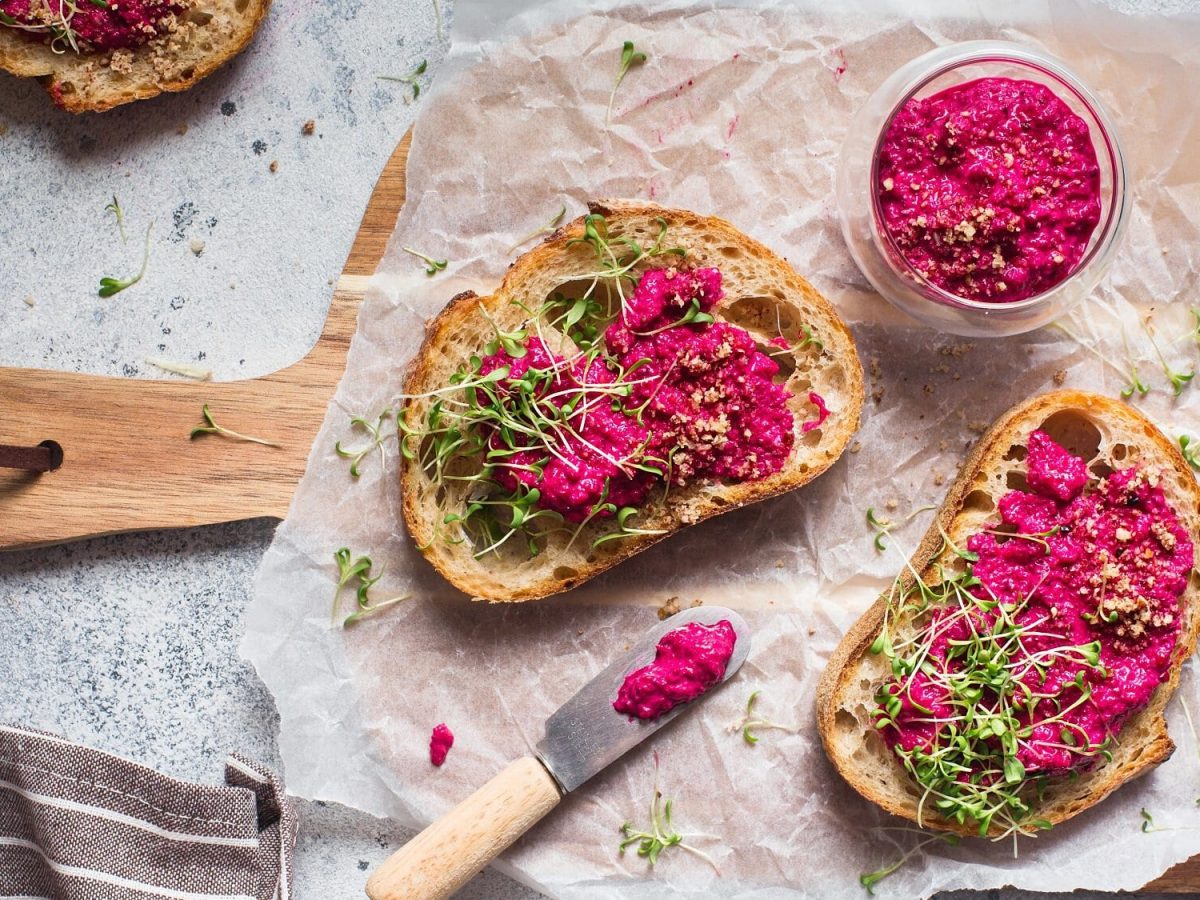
(80, 824)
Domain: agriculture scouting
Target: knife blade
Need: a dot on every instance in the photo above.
(586, 733)
(584, 736)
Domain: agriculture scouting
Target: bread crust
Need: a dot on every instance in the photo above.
(430, 366)
(843, 668)
(90, 83)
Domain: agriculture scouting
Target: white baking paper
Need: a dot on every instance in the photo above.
(740, 111)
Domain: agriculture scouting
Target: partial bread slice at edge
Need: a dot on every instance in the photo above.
(845, 693)
(757, 284)
(211, 33)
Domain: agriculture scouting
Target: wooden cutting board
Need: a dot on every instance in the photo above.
(128, 464)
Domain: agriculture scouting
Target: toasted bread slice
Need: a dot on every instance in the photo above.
(762, 294)
(207, 36)
(1112, 436)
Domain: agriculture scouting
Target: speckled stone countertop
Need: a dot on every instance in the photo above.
(130, 643)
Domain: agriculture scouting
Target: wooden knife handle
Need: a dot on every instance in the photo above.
(456, 847)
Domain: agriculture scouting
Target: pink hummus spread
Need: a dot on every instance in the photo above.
(687, 662)
(702, 403)
(94, 24)
(1098, 569)
(440, 743)
(990, 189)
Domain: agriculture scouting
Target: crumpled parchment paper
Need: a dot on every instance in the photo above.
(739, 111)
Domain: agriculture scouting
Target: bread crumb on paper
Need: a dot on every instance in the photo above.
(197, 246)
(30, 302)
(309, 127)
(957, 350)
(1060, 377)
(274, 167)
(856, 447)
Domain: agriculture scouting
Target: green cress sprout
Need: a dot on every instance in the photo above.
(662, 834)
(1129, 371)
(1195, 332)
(883, 526)
(432, 266)
(211, 427)
(1149, 827)
(810, 338)
(411, 80)
(176, 368)
(1190, 453)
(469, 431)
(375, 436)
(870, 879)
(1179, 380)
(630, 57)
(64, 37)
(115, 209)
(992, 706)
(693, 316)
(110, 286)
(350, 569)
(544, 229)
(750, 721)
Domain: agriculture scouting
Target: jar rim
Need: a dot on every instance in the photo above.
(956, 56)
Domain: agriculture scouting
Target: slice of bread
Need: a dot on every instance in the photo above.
(208, 34)
(1111, 436)
(762, 294)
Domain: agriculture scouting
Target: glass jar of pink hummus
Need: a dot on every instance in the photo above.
(982, 189)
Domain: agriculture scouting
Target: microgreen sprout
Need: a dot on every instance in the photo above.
(750, 721)
(432, 266)
(630, 57)
(412, 80)
(350, 569)
(1195, 332)
(624, 529)
(1134, 383)
(185, 369)
(810, 339)
(482, 435)
(870, 879)
(1190, 453)
(989, 681)
(437, 18)
(211, 427)
(115, 209)
(1179, 380)
(369, 609)
(1187, 714)
(693, 316)
(110, 286)
(662, 834)
(618, 256)
(63, 35)
(1149, 826)
(375, 440)
(883, 525)
(543, 229)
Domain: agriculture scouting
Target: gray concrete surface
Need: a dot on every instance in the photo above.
(130, 643)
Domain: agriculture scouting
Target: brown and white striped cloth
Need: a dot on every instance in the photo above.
(81, 824)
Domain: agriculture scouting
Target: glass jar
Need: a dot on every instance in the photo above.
(872, 245)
